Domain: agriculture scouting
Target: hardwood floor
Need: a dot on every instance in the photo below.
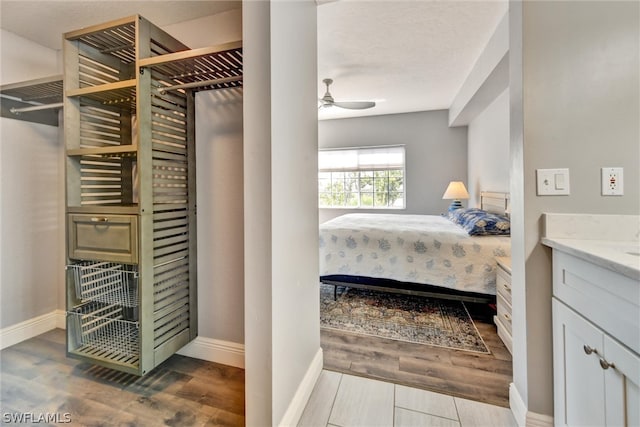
(475, 376)
(36, 378)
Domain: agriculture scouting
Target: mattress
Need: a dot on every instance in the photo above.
(421, 249)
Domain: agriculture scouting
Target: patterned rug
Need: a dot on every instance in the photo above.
(431, 321)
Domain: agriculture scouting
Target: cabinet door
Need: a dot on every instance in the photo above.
(622, 381)
(579, 390)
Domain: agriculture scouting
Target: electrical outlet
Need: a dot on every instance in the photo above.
(612, 182)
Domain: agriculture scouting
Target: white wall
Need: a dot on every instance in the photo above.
(487, 79)
(282, 330)
(294, 183)
(209, 30)
(435, 154)
(32, 261)
(575, 102)
(488, 148)
(23, 59)
(257, 221)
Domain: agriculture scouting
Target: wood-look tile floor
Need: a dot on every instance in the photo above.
(342, 400)
(37, 379)
(474, 376)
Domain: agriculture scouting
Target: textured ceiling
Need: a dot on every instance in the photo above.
(405, 55)
(45, 21)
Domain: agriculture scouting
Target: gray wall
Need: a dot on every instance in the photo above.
(32, 252)
(435, 154)
(31, 195)
(575, 96)
(220, 212)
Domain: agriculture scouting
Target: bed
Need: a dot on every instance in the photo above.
(416, 254)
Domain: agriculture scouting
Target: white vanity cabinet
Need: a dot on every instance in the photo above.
(596, 378)
(596, 344)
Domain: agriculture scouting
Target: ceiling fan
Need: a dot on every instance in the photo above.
(328, 101)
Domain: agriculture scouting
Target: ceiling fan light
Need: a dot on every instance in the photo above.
(355, 105)
(328, 101)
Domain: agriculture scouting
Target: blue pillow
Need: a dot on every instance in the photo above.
(477, 222)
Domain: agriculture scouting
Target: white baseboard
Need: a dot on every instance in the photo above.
(218, 351)
(518, 407)
(301, 397)
(224, 352)
(31, 328)
(61, 319)
(523, 416)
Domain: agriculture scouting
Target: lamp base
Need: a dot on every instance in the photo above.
(456, 204)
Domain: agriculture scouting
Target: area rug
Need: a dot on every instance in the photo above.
(430, 321)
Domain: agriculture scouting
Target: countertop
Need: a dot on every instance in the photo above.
(617, 255)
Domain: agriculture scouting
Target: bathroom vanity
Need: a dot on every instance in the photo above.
(596, 318)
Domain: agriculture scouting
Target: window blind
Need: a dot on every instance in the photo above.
(355, 159)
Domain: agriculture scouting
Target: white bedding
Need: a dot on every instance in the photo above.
(424, 249)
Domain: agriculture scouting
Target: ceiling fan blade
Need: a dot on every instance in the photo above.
(356, 105)
(328, 101)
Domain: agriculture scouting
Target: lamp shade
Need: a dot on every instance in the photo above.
(456, 190)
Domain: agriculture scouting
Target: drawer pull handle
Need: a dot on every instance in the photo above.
(96, 219)
(506, 287)
(606, 365)
(506, 316)
(589, 350)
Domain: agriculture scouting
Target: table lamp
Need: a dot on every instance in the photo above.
(456, 191)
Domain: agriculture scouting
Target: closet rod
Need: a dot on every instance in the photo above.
(200, 83)
(36, 108)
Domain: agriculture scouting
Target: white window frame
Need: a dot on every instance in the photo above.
(362, 163)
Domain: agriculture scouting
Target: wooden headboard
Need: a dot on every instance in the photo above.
(495, 202)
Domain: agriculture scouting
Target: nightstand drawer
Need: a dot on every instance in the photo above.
(504, 313)
(503, 284)
(504, 334)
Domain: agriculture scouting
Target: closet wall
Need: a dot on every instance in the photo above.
(32, 279)
(220, 186)
(31, 196)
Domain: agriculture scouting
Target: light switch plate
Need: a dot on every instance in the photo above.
(552, 182)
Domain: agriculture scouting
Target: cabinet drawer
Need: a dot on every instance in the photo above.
(103, 237)
(503, 284)
(504, 313)
(504, 334)
(609, 300)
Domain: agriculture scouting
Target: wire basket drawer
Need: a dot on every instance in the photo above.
(106, 282)
(101, 330)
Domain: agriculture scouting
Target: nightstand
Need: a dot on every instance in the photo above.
(503, 299)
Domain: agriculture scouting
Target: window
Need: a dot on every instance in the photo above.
(361, 178)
